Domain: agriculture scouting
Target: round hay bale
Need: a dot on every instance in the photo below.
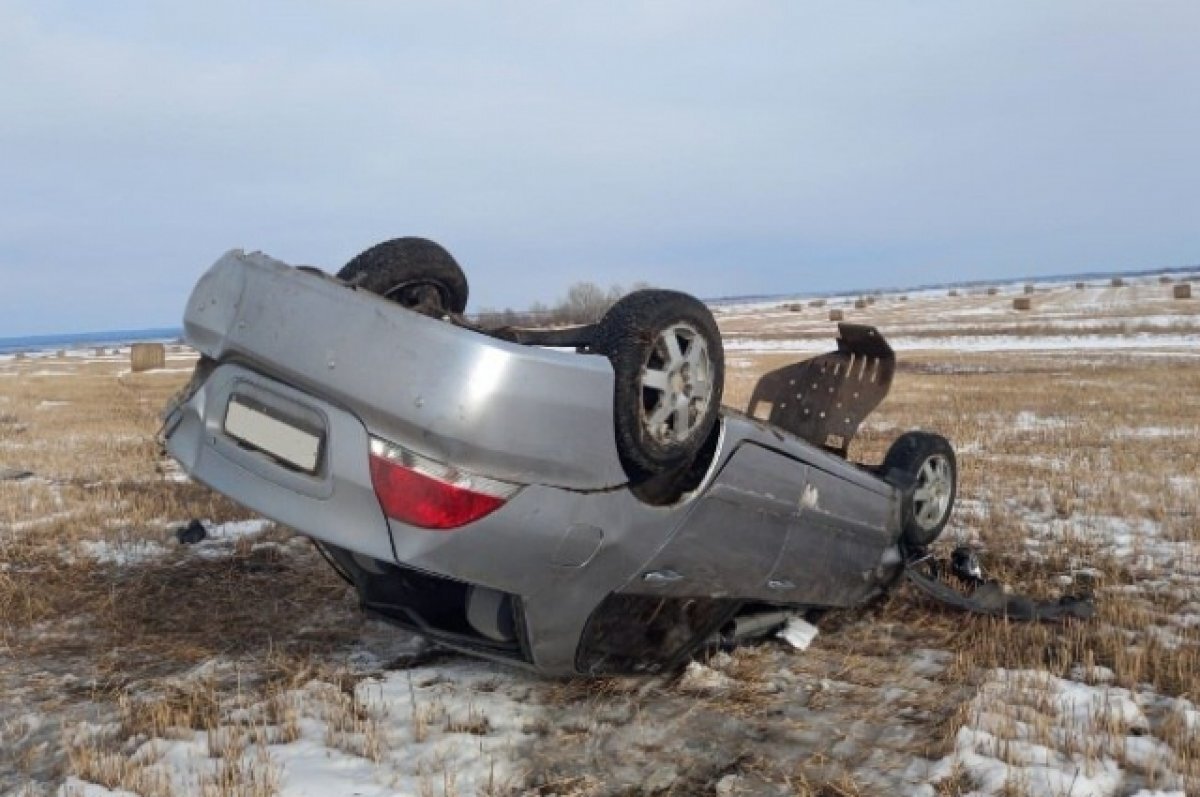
(147, 356)
(836, 315)
(1182, 291)
(1022, 303)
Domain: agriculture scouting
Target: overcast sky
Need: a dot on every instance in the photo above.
(719, 148)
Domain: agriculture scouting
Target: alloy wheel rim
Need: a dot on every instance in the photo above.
(935, 486)
(676, 384)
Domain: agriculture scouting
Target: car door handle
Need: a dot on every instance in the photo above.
(662, 577)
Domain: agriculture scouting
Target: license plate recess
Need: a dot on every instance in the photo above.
(290, 433)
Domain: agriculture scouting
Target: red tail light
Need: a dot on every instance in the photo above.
(422, 492)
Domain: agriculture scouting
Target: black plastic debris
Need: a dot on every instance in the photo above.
(989, 597)
(964, 565)
(191, 534)
(14, 474)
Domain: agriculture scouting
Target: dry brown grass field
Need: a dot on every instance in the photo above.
(241, 666)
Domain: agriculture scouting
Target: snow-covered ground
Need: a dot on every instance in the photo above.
(1188, 345)
(1140, 316)
(1045, 735)
(889, 700)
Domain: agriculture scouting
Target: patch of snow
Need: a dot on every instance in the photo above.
(985, 343)
(1188, 716)
(238, 528)
(53, 517)
(1053, 736)
(731, 785)
(698, 679)
(220, 538)
(219, 542)
(1028, 421)
(457, 728)
(74, 787)
(1093, 675)
(1138, 542)
(172, 472)
(1184, 484)
(121, 553)
(1151, 432)
(928, 662)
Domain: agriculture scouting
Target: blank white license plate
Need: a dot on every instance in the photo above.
(287, 442)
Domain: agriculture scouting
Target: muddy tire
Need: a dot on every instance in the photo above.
(414, 272)
(929, 459)
(666, 352)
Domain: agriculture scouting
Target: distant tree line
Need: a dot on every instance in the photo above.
(585, 303)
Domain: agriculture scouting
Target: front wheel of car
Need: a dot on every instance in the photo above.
(929, 459)
(669, 364)
(413, 272)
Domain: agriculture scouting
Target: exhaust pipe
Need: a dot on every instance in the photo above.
(749, 626)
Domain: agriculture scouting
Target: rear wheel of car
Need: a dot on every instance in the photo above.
(414, 272)
(929, 459)
(666, 353)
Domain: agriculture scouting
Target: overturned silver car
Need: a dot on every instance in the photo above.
(576, 501)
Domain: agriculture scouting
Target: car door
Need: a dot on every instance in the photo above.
(834, 544)
(730, 542)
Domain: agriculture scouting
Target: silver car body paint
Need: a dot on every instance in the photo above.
(775, 519)
(484, 404)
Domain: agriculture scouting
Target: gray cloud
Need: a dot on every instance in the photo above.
(717, 147)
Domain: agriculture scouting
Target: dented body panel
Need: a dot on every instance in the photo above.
(772, 519)
(455, 395)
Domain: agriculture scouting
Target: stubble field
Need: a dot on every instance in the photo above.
(130, 663)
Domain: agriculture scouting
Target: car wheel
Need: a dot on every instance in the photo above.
(666, 353)
(414, 272)
(929, 459)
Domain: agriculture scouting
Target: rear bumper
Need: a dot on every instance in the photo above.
(337, 504)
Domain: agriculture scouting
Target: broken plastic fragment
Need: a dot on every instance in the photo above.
(192, 533)
(964, 564)
(798, 633)
(14, 474)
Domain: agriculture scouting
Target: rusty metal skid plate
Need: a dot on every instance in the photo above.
(823, 400)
